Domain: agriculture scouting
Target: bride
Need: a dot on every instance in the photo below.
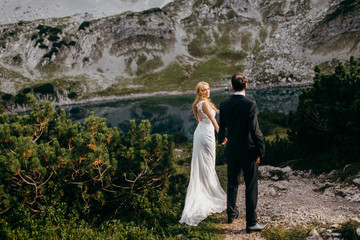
(204, 193)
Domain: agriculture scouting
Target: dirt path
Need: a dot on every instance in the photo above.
(293, 201)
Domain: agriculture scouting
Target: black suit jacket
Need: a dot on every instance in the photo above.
(238, 122)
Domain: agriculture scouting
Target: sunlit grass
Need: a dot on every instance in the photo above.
(277, 132)
(284, 233)
(207, 229)
(172, 78)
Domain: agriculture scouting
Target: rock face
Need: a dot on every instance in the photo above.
(341, 25)
(103, 49)
(344, 19)
(272, 42)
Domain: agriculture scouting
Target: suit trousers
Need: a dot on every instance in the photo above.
(250, 172)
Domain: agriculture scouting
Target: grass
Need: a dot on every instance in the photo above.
(284, 233)
(147, 66)
(169, 79)
(138, 40)
(348, 230)
(207, 229)
(201, 45)
(18, 79)
(277, 132)
(49, 69)
(349, 173)
(263, 34)
(212, 70)
(232, 56)
(172, 77)
(246, 41)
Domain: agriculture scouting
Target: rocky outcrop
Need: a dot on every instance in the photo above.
(344, 18)
(337, 34)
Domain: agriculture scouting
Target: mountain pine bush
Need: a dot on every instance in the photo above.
(326, 125)
(46, 160)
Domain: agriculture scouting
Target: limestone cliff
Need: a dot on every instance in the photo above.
(170, 49)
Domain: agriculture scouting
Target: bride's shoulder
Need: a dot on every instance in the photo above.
(205, 106)
(200, 103)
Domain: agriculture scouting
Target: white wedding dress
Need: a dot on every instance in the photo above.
(204, 194)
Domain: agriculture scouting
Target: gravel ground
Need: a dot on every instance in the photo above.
(293, 201)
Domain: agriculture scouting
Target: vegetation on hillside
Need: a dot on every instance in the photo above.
(78, 181)
(324, 129)
(85, 180)
(326, 123)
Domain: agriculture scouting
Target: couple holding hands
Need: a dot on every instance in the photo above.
(244, 149)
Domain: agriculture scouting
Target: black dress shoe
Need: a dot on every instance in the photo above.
(231, 218)
(256, 228)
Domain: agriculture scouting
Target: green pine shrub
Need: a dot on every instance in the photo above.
(20, 99)
(279, 152)
(348, 230)
(40, 40)
(326, 125)
(46, 88)
(53, 38)
(17, 59)
(84, 25)
(7, 97)
(152, 10)
(59, 179)
(72, 95)
(43, 46)
(26, 90)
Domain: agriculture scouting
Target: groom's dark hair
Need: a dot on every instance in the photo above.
(238, 81)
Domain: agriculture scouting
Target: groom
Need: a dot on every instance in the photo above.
(245, 147)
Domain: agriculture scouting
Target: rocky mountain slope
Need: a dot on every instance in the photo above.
(171, 49)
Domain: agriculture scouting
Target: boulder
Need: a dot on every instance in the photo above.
(314, 235)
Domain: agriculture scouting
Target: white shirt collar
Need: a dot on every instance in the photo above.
(239, 93)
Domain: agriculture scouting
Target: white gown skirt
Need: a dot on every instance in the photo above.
(204, 194)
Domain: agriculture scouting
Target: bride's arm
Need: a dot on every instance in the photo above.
(207, 110)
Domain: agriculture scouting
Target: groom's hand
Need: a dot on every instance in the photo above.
(258, 160)
(225, 141)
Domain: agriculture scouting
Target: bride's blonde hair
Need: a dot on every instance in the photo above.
(200, 96)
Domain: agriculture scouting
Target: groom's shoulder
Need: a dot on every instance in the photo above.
(248, 100)
(227, 101)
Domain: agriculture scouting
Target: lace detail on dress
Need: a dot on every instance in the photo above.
(202, 117)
